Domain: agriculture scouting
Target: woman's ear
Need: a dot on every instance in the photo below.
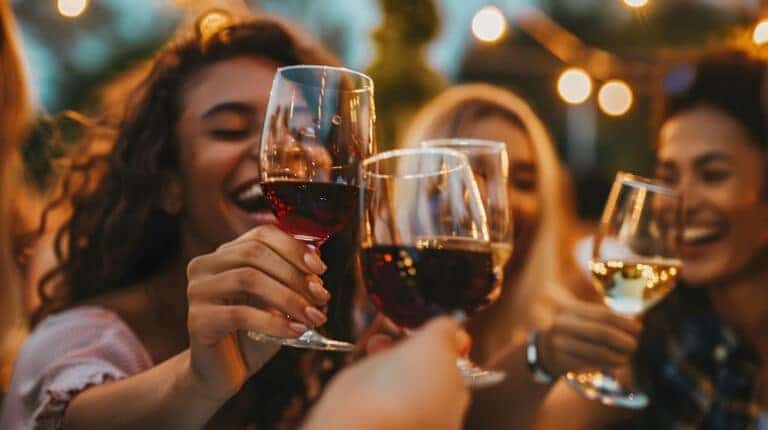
(171, 198)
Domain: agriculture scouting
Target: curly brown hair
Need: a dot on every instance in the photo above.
(118, 234)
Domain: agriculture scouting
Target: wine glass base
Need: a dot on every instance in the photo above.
(596, 385)
(477, 377)
(309, 340)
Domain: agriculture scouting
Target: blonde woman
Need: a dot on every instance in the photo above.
(14, 118)
(522, 333)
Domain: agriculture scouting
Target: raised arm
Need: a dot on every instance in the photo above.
(252, 283)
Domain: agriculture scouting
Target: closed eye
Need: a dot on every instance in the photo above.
(715, 175)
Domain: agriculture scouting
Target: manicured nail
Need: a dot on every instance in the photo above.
(315, 315)
(464, 341)
(299, 328)
(314, 262)
(315, 285)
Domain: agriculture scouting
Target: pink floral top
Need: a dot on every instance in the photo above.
(65, 354)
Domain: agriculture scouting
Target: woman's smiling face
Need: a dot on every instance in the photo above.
(721, 173)
(222, 111)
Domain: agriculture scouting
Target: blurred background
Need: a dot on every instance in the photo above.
(590, 68)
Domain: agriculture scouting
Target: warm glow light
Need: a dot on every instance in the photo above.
(72, 8)
(574, 85)
(213, 21)
(635, 3)
(489, 24)
(615, 97)
(760, 35)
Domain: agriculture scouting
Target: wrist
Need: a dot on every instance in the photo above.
(534, 359)
(189, 384)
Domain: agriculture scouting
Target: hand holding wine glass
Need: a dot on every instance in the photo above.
(319, 127)
(586, 335)
(256, 282)
(413, 385)
(635, 264)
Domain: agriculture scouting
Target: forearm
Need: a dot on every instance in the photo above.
(514, 402)
(166, 396)
(566, 409)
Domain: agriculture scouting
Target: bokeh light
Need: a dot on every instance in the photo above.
(760, 35)
(636, 3)
(489, 24)
(72, 8)
(574, 85)
(615, 97)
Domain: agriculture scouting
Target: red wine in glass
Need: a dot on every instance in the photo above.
(439, 276)
(312, 211)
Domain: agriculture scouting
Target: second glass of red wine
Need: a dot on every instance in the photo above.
(490, 165)
(319, 127)
(425, 244)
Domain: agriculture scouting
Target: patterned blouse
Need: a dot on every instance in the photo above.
(698, 373)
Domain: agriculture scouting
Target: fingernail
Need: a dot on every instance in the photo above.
(314, 262)
(299, 328)
(464, 341)
(315, 285)
(315, 315)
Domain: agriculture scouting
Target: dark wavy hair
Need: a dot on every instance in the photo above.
(118, 234)
(730, 80)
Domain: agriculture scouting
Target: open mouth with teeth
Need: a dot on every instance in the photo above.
(250, 197)
(703, 235)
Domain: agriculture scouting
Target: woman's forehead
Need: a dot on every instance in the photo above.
(241, 79)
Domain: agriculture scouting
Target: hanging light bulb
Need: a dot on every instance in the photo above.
(615, 97)
(72, 8)
(489, 24)
(760, 34)
(574, 85)
(636, 3)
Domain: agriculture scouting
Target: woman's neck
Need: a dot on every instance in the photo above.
(167, 292)
(742, 303)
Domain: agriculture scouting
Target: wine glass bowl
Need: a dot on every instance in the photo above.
(319, 127)
(426, 249)
(490, 165)
(635, 264)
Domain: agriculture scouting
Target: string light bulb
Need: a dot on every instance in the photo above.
(636, 3)
(489, 24)
(574, 85)
(760, 34)
(615, 97)
(72, 8)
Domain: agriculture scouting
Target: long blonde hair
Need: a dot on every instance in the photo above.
(14, 119)
(525, 302)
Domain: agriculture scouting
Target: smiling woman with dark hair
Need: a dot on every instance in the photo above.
(702, 351)
(170, 255)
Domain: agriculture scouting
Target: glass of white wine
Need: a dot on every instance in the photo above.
(635, 264)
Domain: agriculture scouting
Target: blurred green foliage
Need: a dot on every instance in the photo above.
(403, 79)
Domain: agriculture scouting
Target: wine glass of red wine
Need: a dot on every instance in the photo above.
(319, 127)
(490, 165)
(425, 244)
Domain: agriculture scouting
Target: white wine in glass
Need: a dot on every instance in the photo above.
(635, 264)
